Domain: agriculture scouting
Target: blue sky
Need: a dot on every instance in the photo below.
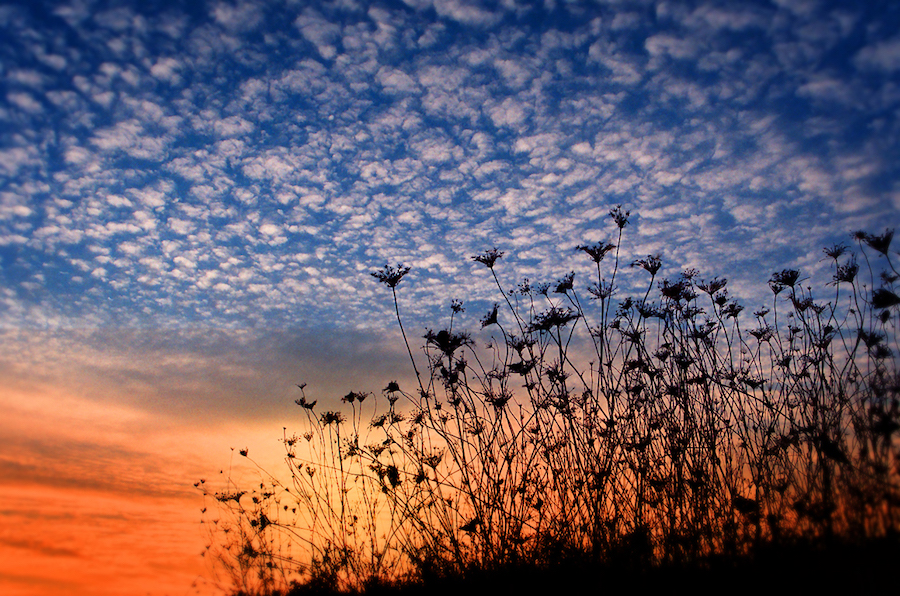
(169, 165)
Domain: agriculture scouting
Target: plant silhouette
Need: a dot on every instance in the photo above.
(686, 432)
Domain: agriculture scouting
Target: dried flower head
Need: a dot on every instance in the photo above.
(332, 418)
(308, 405)
(565, 284)
(713, 286)
(732, 309)
(884, 298)
(390, 276)
(447, 341)
(847, 272)
(677, 291)
(488, 257)
(354, 396)
(600, 291)
(597, 250)
(620, 216)
(835, 251)
(763, 333)
(878, 243)
(555, 317)
(651, 264)
(784, 278)
(490, 318)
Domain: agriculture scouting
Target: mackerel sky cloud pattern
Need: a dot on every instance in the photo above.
(231, 164)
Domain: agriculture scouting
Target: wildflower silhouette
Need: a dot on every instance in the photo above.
(596, 251)
(880, 243)
(690, 432)
(488, 258)
(391, 276)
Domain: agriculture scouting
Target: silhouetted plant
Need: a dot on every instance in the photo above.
(691, 432)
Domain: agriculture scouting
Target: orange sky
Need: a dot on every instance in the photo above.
(98, 499)
(77, 541)
(105, 435)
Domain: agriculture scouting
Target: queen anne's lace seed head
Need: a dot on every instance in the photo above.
(488, 257)
(390, 276)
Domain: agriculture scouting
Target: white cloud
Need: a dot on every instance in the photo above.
(27, 77)
(625, 69)
(78, 155)
(14, 158)
(275, 166)
(167, 69)
(466, 12)
(181, 226)
(321, 33)
(233, 126)
(436, 150)
(25, 101)
(672, 46)
(396, 81)
(510, 112)
(881, 56)
(828, 89)
(146, 221)
(238, 16)
(270, 229)
(131, 137)
(514, 73)
(735, 18)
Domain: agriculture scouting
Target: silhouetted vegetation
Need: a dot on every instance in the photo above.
(692, 440)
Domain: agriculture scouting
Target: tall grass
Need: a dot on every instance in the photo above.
(663, 428)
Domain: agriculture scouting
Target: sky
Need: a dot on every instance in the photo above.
(193, 195)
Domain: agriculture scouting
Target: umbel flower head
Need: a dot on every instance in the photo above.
(447, 341)
(555, 317)
(786, 277)
(879, 243)
(620, 216)
(390, 276)
(597, 250)
(354, 396)
(332, 418)
(846, 273)
(491, 317)
(488, 257)
(565, 284)
(884, 298)
(651, 264)
(835, 251)
(782, 279)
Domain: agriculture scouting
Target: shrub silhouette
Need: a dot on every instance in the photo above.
(691, 432)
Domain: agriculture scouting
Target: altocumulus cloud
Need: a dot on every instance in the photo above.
(233, 164)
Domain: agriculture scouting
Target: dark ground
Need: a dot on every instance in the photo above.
(812, 568)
